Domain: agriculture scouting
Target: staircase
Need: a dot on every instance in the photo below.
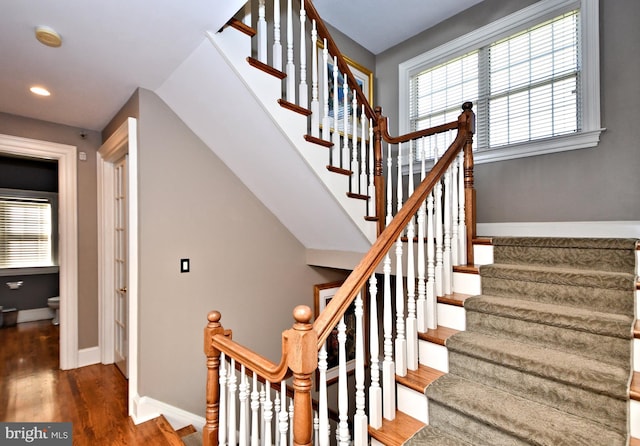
(539, 359)
(492, 367)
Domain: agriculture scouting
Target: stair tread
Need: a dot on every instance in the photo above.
(456, 299)
(438, 335)
(187, 430)
(318, 141)
(598, 322)
(266, 68)
(168, 433)
(243, 28)
(634, 391)
(395, 432)
(544, 362)
(636, 330)
(517, 416)
(560, 276)
(634, 441)
(432, 436)
(419, 379)
(468, 269)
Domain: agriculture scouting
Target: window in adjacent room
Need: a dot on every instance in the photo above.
(26, 232)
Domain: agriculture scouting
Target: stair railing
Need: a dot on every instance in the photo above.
(305, 346)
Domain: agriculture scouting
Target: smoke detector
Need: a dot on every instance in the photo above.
(48, 36)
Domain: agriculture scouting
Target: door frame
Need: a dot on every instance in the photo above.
(122, 142)
(66, 157)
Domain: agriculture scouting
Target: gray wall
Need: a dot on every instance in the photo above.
(87, 211)
(244, 262)
(596, 184)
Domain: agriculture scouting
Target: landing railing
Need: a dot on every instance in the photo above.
(421, 238)
(305, 346)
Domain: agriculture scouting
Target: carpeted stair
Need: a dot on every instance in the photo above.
(546, 356)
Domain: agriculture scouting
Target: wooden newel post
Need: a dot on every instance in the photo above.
(210, 430)
(302, 359)
(467, 121)
(378, 180)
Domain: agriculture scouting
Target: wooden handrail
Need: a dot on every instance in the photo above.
(323, 32)
(361, 273)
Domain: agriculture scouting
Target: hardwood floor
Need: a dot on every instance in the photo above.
(93, 398)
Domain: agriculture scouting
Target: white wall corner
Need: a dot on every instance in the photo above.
(147, 408)
(88, 356)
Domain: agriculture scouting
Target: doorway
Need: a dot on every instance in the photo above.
(65, 155)
(118, 253)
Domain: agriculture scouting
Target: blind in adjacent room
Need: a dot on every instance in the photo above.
(25, 233)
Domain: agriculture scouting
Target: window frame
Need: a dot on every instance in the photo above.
(52, 199)
(588, 136)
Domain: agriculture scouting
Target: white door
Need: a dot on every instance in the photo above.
(121, 280)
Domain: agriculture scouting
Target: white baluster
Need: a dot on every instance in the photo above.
(232, 403)
(303, 92)
(360, 417)
(316, 428)
(326, 120)
(354, 145)
(412, 329)
(345, 123)
(447, 272)
(421, 304)
(268, 416)
(242, 397)
(375, 391)
(335, 137)
(363, 152)
(431, 265)
(315, 105)
(401, 342)
(462, 230)
(371, 191)
(343, 393)
(438, 221)
(322, 395)
(222, 409)
(277, 45)
(255, 416)
(276, 410)
(388, 367)
(291, 68)
(291, 421)
(262, 33)
(455, 246)
(283, 416)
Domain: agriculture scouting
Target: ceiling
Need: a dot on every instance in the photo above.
(110, 48)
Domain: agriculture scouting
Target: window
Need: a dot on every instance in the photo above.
(26, 230)
(533, 77)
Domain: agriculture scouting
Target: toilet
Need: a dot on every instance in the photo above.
(54, 304)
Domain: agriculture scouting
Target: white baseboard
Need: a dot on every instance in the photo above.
(620, 229)
(88, 356)
(147, 408)
(35, 314)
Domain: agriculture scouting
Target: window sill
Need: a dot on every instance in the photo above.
(29, 271)
(582, 140)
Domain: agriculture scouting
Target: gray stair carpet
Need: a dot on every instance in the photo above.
(546, 355)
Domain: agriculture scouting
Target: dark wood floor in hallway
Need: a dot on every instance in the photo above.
(93, 398)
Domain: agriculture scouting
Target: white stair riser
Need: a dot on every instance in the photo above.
(413, 403)
(636, 355)
(466, 283)
(452, 316)
(434, 356)
(634, 418)
(483, 254)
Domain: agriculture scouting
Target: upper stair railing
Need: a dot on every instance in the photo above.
(426, 235)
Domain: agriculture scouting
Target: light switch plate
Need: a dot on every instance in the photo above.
(184, 265)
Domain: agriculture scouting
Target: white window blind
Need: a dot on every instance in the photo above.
(524, 87)
(533, 78)
(25, 233)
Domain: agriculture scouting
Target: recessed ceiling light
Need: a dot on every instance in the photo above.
(40, 91)
(48, 36)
